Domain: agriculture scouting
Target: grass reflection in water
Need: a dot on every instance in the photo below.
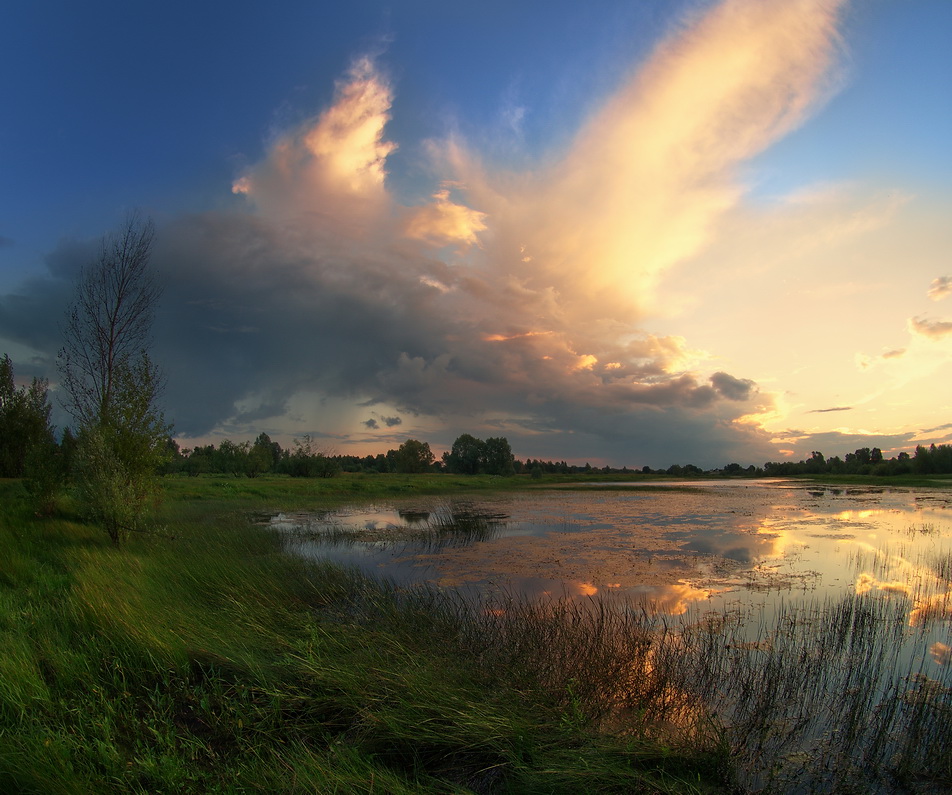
(823, 699)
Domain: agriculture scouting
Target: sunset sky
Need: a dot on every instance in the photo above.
(634, 233)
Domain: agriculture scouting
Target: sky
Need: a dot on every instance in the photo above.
(625, 233)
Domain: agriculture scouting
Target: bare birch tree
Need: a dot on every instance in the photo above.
(109, 383)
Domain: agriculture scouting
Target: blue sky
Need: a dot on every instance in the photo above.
(528, 260)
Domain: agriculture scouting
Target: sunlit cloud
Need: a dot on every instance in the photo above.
(334, 164)
(932, 329)
(940, 288)
(648, 175)
(443, 222)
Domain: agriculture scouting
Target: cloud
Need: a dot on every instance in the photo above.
(390, 422)
(331, 166)
(940, 288)
(835, 408)
(649, 174)
(932, 329)
(732, 388)
(944, 427)
(443, 222)
(519, 303)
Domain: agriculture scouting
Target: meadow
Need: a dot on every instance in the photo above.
(202, 658)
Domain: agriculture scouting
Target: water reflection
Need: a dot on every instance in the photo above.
(814, 623)
(737, 541)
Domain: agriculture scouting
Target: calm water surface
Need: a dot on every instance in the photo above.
(736, 545)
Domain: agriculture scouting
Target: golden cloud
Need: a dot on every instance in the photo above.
(444, 222)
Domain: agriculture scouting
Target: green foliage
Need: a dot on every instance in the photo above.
(497, 456)
(413, 456)
(115, 473)
(45, 472)
(24, 420)
(307, 461)
(470, 456)
(465, 457)
(27, 446)
(932, 460)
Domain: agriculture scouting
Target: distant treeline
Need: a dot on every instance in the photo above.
(493, 456)
(935, 459)
(931, 460)
(469, 455)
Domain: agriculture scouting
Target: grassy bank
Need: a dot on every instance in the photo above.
(203, 659)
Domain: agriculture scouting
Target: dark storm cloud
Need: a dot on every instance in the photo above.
(253, 314)
(274, 316)
(33, 312)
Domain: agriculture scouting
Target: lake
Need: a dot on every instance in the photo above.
(853, 584)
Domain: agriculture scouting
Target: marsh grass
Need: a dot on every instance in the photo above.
(942, 564)
(922, 528)
(827, 697)
(832, 697)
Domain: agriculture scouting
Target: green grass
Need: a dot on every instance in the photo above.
(201, 658)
